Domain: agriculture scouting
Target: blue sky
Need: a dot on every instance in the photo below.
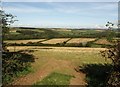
(63, 14)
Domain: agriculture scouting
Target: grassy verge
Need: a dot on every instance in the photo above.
(55, 79)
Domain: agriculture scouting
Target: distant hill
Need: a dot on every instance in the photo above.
(62, 28)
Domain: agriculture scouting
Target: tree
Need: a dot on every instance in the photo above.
(110, 32)
(113, 53)
(6, 21)
(13, 63)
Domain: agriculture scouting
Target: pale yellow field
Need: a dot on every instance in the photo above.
(52, 41)
(62, 30)
(99, 30)
(103, 41)
(81, 40)
(23, 41)
(56, 40)
(58, 49)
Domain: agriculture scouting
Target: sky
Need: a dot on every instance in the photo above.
(63, 14)
(60, 0)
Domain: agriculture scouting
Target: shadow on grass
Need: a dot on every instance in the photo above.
(96, 74)
(42, 48)
(19, 56)
(28, 51)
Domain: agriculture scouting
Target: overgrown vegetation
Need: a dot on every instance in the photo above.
(96, 74)
(114, 76)
(113, 53)
(15, 64)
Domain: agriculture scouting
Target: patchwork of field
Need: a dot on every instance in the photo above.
(80, 40)
(58, 64)
(55, 41)
(52, 41)
(23, 41)
(63, 42)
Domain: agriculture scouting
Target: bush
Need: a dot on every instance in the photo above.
(14, 63)
(113, 53)
(96, 74)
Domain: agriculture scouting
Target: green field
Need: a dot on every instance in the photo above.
(55, 79)
(52, 62)
(58, 37)
(39, 33)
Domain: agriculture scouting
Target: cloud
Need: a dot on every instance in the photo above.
(69, 8)
(82, 8)
(100, 26)
(106, 6)
(25, 9)
(60, 14)
(68, 11)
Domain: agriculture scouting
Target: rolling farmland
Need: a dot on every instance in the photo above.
(61, 55)
(59, 44)
(61, 60)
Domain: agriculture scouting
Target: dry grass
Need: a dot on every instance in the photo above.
(103, 41)
(59, 59)
(58, 49)
(62, 30)
(13, 30)
(23, 41)
(52, 41)
(99, 30)
(56, 40)
(80, 40)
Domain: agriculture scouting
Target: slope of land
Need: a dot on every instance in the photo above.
(59, 59)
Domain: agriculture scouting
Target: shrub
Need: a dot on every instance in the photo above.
(14, 63)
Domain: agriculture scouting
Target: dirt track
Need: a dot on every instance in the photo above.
(48, 68)
(53, 64)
